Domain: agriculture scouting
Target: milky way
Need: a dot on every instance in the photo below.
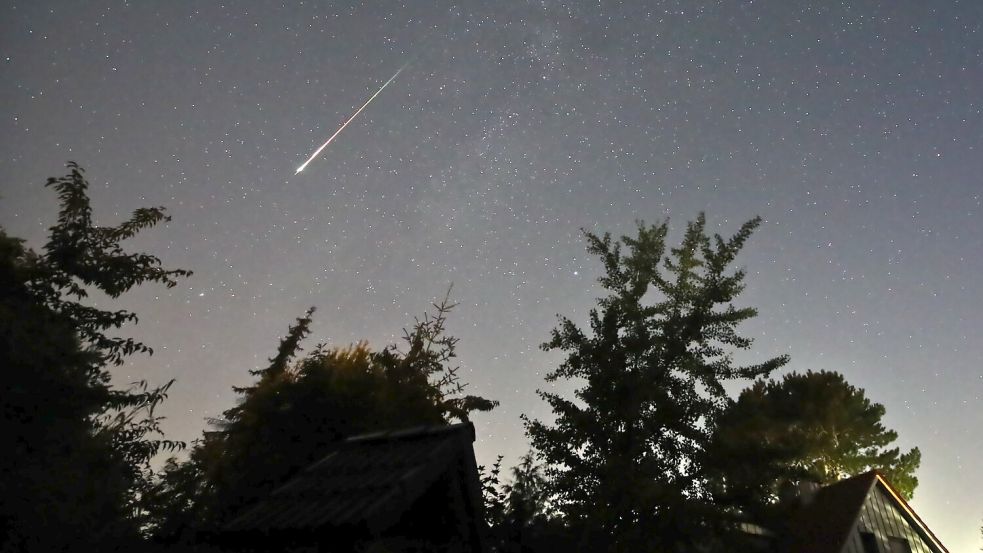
(853, 129)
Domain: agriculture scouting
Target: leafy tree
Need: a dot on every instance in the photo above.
(624, 458)
(293, 414)
(493, 494)
(517, 513)
(812, 426)
(79, 448)
(528, 496)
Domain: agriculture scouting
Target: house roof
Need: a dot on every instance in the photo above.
(367, 482)
(825, 522)
(916, 520)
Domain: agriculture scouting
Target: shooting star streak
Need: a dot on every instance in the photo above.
(354, 115)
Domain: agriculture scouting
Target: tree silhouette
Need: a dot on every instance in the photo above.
(294, 414)
(518, 513)
(79, 449)
(624, 458)
(813, 426)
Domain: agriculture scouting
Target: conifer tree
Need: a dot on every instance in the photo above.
(624, 456)
(813, 426)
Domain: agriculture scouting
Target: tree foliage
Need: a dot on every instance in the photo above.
(518, 513)
(650, 455)
(624, 457)
(813, 426)
(79, 448)
(292, 415)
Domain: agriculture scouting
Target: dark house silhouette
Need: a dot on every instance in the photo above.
(863, 514)
(418, 490)
(409, 490)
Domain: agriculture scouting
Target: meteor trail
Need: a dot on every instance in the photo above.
(354, 115)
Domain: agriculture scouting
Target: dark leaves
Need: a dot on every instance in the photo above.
(813, 425)
(81, 448)
(651, 368)
(79, 255)
(294, 413)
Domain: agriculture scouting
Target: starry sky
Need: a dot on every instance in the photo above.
(855, 129)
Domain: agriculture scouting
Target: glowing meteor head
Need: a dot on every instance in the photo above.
(299, 169)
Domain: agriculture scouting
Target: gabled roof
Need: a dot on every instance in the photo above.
(826, 521)
(366, 483)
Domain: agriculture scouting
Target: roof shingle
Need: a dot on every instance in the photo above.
(366, 482)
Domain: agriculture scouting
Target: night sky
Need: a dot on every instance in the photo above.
(855, 129)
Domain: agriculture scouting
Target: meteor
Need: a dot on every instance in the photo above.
(354, 115)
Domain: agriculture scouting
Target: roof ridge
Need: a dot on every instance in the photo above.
(413, 432)
(907, 508)
(367, 480)
(847, 498)
(869, 480)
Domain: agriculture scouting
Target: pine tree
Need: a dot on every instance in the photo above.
(813, 426)
(624, 457)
